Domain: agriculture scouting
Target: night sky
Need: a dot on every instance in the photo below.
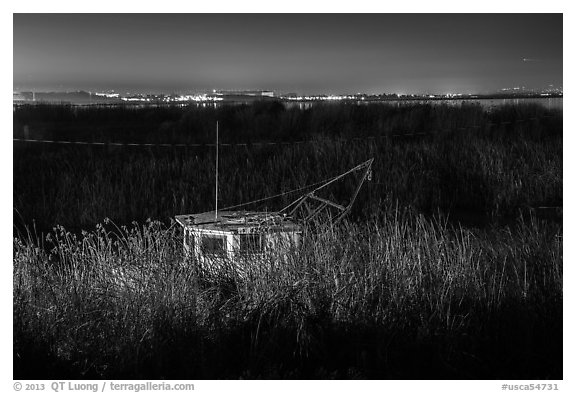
(314, 53)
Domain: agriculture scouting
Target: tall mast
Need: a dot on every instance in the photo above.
(216, 210)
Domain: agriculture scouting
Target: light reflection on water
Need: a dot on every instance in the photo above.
(488, 104)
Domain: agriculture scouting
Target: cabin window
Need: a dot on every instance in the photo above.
(251, 243)
(213, 244)
(189, 240)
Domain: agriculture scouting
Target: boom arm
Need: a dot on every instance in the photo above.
(341, 211)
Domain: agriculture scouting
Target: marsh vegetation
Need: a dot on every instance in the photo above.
(446, 267)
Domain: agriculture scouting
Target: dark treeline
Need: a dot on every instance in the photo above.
(258, 122)
(489, 171)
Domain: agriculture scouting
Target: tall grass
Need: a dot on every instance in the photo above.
(352, 301)
(403, 289)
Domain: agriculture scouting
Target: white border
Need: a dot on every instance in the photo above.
(489, 6)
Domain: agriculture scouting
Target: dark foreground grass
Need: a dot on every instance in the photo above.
(399, 297)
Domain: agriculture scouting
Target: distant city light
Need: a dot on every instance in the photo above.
(250, 95)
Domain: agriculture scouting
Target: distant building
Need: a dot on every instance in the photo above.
(249, 93)
(18, 97)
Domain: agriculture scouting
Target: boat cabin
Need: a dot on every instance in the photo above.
(236, 235)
